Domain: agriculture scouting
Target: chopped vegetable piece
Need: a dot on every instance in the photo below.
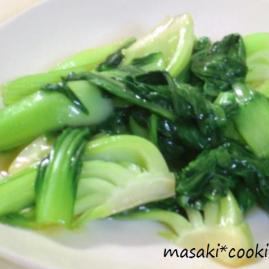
(57, 179)
(257, 48)
(119, 173)
(174, 38)
(219, 222)
(220, 65)
(17, 191)
(15, 90)
(252, 119)
(213, 173)
(48, 111)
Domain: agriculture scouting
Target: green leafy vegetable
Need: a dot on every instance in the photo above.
(16, 90)
(257, 48)
(56, 183)
(220, 65)
(202, 44)
(149, 62)
(127, 90)
(114, 59)
(252, 119)
(194, 120)
(17, 191)
(174, 39)
(115, 169)
(64, 89)
(179, 130)
(199, 121)
(256, 42)
(48, 111)
(24, 218)
(213, 173)
(119, 173)
(218, 222)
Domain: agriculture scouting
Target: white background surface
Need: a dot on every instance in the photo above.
(10, 8)
(34, 41)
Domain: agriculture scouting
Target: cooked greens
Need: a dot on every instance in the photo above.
(220, 221)
(178, 32)
(257, 45)
(119, 173)
(220, 65)
(57, 179)
(215, 172)
(171, 124)
(84, 61)
(51, 110)
(252, 119)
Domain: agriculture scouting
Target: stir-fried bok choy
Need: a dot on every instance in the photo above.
(168, 127)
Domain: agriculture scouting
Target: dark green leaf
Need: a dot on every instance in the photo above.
(230, 167)
(220, 65)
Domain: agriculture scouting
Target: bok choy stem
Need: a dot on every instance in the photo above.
(56, 183)
(47, 111)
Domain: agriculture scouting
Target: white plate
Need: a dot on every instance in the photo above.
(54, 29)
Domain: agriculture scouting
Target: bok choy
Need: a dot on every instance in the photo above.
(169, 127)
